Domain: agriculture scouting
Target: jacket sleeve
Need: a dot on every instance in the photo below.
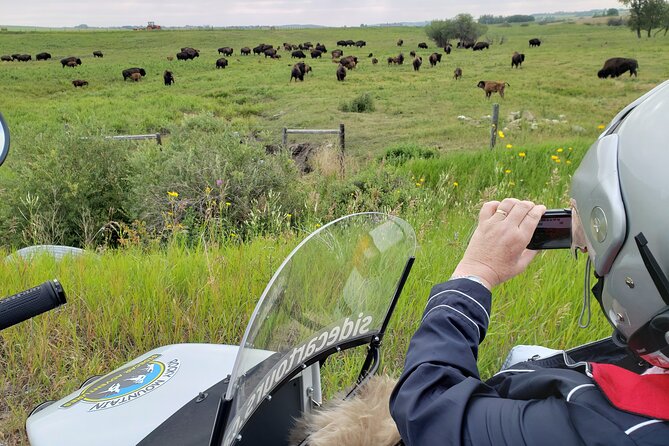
(440, 399)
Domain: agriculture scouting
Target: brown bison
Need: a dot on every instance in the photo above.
(412, 53)
(400, 42)
(447, 48)
(434, 59)
(315, 54)
(422, 45)
(296, 73)
(320, 47)
(127, 73)
(616, 66)
(399, 60)
(491, 87)
(375, 60)
(360, 43)
(245, 51)
(98, 54)
(271, 53)
(337, 53)
(480, 46)
(349, 62)
(517, 59)
(79, 83)
(417, 62)
(298, 54)
(226, 51)
(6, 58)
(168, 77)
(24, 57)
(43, 56)
(222, 62)
(535, 42)
(71, 63)
(341, 73)
(135, 76)
(457, 73)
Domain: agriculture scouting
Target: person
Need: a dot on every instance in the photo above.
(610, 392)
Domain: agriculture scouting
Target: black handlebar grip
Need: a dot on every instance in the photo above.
(29, 303)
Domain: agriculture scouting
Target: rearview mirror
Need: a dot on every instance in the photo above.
(4, 139)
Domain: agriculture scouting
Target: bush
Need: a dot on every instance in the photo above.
(400, 154)
(361, 104)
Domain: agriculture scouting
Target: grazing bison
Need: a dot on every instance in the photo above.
(517, 59)
(457, 73)
(71, 64)
(6, 58)
(447, 48)
(79, 83)
(370, 55)
(135, 76)
(306, 46)
(298, 54)
(130, 71)
(412, 53)
(400, 42)
(98, 54)
(466, 44)
(24, 57)
(65, 62)
(341, 73)
(375, 60)
(226, 51)
(341, 43)
(222, 62)
(417, 62)
(535, 42)
(168, 77)
(349, 62)
(315, 54)
(182, 56)
(320, 47)
(350, 43)
(480, 46)
(434, 58)
(360, 43)
(270, 52)
(616, 66)
(337, 53)
(422, 45)
(399, 60)
(296, 73)
(491, 87)
(43, 56)
(245, 51)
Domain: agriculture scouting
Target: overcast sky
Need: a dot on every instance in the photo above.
(57, 13)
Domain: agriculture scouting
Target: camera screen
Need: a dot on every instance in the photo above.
(553, 231)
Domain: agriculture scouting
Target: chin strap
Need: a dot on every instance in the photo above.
(586, 297)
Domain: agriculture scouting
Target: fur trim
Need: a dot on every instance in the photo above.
(363, 420)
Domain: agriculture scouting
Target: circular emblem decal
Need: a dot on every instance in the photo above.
(127, 384)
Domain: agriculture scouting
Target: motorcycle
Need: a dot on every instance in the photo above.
(335, 291)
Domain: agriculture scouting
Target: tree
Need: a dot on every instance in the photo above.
(612, 12)
(645, 14)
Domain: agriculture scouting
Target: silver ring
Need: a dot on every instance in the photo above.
(500, 211)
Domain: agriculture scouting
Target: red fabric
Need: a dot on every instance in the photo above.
(646, 395)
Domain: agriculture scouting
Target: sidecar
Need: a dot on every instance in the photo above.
(335, 291)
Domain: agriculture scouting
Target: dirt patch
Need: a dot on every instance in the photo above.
(302, 154)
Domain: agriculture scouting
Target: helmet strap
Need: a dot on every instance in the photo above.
(586, 297)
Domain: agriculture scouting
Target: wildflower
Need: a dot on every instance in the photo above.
(557, 160)
(422, 180)
(227, 203)
(501, 134)
(455, 184)
(555, 157)
(601, 126)
(507, 171)
(207, 190)
(219, 183)
(288, 215)
(509, 146)
(512, 183)
(232, 234)
(560, 150)
(571, 148)
(521, 154)
(317, 225)
(417, 184)
(568, 162)
(173, 194)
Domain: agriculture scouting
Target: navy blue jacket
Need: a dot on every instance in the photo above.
(441, 400)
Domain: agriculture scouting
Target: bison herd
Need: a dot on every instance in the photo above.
(613, 67)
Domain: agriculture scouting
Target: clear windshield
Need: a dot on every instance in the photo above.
(333, 289)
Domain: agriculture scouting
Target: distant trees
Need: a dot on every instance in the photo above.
(647, 15)
(462, 27)
(489, 19)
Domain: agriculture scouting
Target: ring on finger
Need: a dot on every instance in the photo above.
(503, 212)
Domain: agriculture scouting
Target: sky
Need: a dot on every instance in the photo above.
(101, 13)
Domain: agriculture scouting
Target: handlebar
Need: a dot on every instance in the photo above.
(26, 304)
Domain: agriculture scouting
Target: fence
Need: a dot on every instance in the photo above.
(341, 132)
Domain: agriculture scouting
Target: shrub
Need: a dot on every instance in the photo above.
(361, 104)
(400, 154)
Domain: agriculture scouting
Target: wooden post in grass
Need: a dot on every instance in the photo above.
(342, 146)
(284, 137)
(493, 127)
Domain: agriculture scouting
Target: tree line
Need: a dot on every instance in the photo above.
(647, 15)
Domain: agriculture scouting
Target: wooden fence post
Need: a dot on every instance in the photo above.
(342, 146)
(285, 137)
(493, 127)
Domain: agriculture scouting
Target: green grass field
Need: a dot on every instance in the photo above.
(124, 302)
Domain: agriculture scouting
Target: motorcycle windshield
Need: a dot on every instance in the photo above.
(335, 288)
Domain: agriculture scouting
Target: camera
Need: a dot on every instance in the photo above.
(553, 231)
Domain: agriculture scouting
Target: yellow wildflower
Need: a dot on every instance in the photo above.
(173, 194)
(501, 134)
(601, 126)
(521, 154)
(455, 184)
(568, 162)
(507, 171)
(571, 148)
(207, 190)
(555, 157)
(512, 183)
(560, 150)
(509, 146)
(557, 160)
(227, 203)
(288, 215)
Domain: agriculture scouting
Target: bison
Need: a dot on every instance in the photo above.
(337, 53)
(79, 83)
(422, 45)
(517, 59)
(222, 63)
(24, 57)
(135, 76)
(375, 60)
(447, 48)
(315, 54)
(245, 51)
(342, 43)
(130, 71)
(43, 56)
(71, 63)
(226, 51)
(412, 53)
(360, 43)
(434, 59)
(399, 60)
(457, 73)
(270, 52)
(341, 73)
(616, 66)
(349, 62)
(298, 54)
(320, 47)
(466, 44)
(400, 42)
(480, 46)
(168, 77)
(296, 73)
(6, 58)
(491, 87)
(535, 42)
(417, 62)
(98, 54)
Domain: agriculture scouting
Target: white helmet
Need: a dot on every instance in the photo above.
(620, 194)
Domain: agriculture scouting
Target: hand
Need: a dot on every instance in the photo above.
(497, 250)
